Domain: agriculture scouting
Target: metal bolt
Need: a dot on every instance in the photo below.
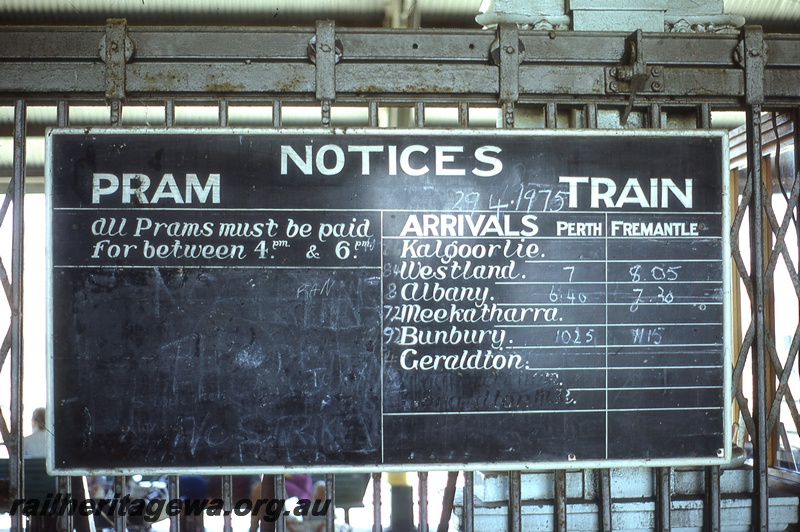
(656, 86)
(754, 52)
(114, 46)
(720, 452)
(509, 49)
(656, 71)
(613, 86)
(325, 48)
(613, 72)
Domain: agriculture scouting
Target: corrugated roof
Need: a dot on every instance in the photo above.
(774, 15)
(228, 12)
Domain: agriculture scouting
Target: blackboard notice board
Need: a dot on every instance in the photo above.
(258, 300)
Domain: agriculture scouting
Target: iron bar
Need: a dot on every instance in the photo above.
(551, 116)
(423, 501)
(795, 209)
(591, 115)
(183, 63)
(655, 116)
(323, 53)
(62, 113)
(469, 501)
(760, 460)
(711, 507)
(514, 501)
(277, 108)
(330, 493)
(419, 115)
(605, 500)
(5, 281)
(712, 501)
(377, 518)
(796, 152)
(116, 113)
(223, 113)
(5, 348)
(280, 493)
(16, 452)
(373, 116)
(326, 114)
(65, 521)
(463, 114)
(447, 503)
(227, 503)
(169, 113)
(704, 116)
(120, 518)
(508, 116)
(754, 61)
(663, 499)
(174, 488)
(507, 59)
(560, 501)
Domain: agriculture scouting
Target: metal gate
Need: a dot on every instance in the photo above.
(387, 78)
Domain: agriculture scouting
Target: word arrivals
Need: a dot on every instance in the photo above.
(465, 225)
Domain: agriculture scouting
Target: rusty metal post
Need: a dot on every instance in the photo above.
(560, 501)
(754, 58)
(377, 518)
(16, 452)
(514, 501)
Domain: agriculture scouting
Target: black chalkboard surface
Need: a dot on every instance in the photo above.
(255, 300)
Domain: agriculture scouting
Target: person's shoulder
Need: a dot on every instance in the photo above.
(35, 445)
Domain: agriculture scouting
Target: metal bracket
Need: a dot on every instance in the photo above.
(325, 50)
(633, 75)
(506, 52)
(751, 54)
(116, 49)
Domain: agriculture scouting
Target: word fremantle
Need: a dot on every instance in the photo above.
(152, 510)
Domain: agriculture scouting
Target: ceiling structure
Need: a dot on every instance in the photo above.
(775, 16)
